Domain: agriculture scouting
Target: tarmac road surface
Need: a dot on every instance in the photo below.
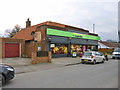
(102, 75)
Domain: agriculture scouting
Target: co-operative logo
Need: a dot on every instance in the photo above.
(78, 36)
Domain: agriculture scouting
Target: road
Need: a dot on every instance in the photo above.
(73, 76)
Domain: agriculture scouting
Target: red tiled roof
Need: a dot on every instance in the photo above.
(93, 34)
(25, 33)
(109, 44)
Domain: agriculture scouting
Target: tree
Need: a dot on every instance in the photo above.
(1, 35)
(12, 32)
(109, 40)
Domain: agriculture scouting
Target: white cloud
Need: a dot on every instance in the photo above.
(81, 13)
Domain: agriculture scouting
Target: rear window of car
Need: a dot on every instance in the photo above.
(87, 54)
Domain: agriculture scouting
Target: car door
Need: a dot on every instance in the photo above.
(100, 57)
(97, 56)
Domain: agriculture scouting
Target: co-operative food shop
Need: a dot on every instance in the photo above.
(58, 38)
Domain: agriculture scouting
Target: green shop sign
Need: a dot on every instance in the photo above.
(70, 34)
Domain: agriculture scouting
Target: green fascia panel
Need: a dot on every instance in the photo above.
(70, 34)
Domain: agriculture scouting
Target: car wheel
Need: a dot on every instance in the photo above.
(82, 62)
(94, 62)
(2, 80)
(103, 61)
(113, 57)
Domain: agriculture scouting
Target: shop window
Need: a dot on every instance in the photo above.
(52, 45)
(84, 48)
(89, 47)
(93, 48)
(77, 48)
(58, 48)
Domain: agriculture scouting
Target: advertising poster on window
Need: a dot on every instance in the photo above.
(39, 48)
(59, 49)
(89, 47)
(93, 48)
(84, 48)
(77, 48)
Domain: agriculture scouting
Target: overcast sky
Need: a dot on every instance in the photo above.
(79, 13)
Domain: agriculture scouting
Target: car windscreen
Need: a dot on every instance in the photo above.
(87, 54)
(101, 53)
(117, 50)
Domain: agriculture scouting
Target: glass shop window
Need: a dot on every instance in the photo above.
(58, 48)
(77, 48)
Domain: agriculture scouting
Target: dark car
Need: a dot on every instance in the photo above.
(6, 73)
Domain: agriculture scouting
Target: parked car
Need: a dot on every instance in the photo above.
(116, 53)
(6, 73)
(92, 57)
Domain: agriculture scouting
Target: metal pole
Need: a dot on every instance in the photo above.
(118, 38)
(118, 24)
(93, 28)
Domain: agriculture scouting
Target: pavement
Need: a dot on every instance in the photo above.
(35, 67)
(17, 61)
(66, 60)
(23, 65)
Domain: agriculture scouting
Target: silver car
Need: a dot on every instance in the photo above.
(92, 57)
(116, 53)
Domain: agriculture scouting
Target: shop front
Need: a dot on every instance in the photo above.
(91, 47)
(59, 49)
(64, 43)
(58, 46)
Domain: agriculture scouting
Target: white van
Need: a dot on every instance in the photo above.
(116, 53)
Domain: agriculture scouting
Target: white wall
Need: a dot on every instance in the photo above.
(100, 45)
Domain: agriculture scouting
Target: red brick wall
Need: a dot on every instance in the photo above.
(30, 47)
(36, 59)
(43, 37)
(0, 48)
(105, 50)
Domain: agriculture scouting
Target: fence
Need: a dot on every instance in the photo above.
(41, 56)
(106, 50)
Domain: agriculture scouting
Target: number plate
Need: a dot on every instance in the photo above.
(85, 60)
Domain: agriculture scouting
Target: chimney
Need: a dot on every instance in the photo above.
(28, 23)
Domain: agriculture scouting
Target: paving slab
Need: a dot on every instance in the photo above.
(17, 61)
(35, 67)
(66, 60)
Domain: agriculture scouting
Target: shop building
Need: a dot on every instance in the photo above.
(58, 38)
